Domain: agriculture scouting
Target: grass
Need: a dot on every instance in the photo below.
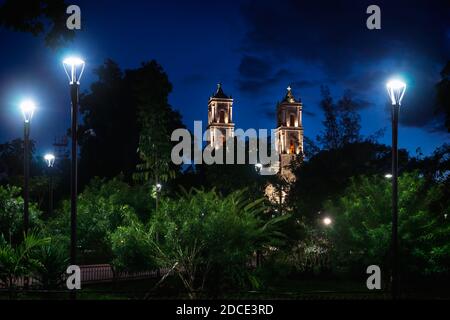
(289, 289)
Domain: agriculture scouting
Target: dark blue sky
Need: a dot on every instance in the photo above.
(256, 49)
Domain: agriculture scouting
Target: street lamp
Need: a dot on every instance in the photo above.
(74, 68)
(327, 221)
(50, 160)
(388, 176)
(396, 90)
(158, 188)
(27, 107)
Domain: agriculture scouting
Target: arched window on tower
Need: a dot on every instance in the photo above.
(292, 121)
(292, 148)
(222, 116)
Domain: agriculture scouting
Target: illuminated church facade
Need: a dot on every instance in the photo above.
(288, 133)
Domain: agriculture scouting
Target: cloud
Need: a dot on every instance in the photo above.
(308, 113)
(269, 110)
(413, 41)
(305, 84)
(254, 67)
(256, 75)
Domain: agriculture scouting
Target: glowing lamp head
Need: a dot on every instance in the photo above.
(50, 159)
(396, 90)
(74, 68)
(27, 108)
(388, 176)
(327, 221)
(158, 187)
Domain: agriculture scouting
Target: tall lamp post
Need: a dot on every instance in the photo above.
(50, 160)
(27, 108)
(396, 90)
(74, 68)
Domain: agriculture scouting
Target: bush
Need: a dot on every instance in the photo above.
(101, 210)
(361, 233)
(19, 260)
(11, 214)
(209, 239)
(131, 249)
(53, 261)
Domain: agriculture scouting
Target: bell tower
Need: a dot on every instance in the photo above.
(220, 118)
(289, 132)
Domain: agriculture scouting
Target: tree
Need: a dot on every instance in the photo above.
(53, 261)
(127, 123)
(109, 134)
(101, 210)
(131, 249)
(157, 119)
(350, 120)
(37, 17)
(11, 171)
(11, 214)
(19, 260)
(361, 231)
(11, 161)
(327, 174)
(208, 239)
(331, 137)
(310, 148)
(342, 123)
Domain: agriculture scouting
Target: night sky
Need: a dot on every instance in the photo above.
(255, 49)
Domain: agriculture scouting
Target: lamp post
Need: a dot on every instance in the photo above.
(27, 108)
(50, 160)
(396, 90)
(74, 68)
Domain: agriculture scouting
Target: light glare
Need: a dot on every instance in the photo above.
(327, 221)
(27, 108)
(73, 61)
(396, 89)
(50, 159)
(74, 68)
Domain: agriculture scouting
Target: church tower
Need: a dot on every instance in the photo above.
(220, 118)
(289, 132)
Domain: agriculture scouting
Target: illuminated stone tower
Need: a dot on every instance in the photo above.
(289, 132)
(288, 144)
(220, 118)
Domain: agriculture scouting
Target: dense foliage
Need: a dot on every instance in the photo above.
(11, 214)
(362, 230)
(210, 239)
(206, 239)
(102, 208)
